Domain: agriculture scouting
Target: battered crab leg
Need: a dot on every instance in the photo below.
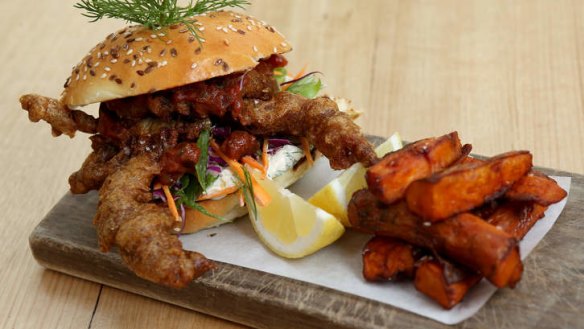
(331, 131)
(141, 230)
(62, 119)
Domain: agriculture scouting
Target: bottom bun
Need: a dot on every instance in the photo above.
(229, 208)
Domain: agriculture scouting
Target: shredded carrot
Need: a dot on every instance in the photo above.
(265, 160)
(171, 204)
(254, 164)
(297, 76)
(217, 194)
(306, 149)
(261, 196)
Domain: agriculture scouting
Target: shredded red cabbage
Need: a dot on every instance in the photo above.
(214, 168)
(274, 144)
(158, 195)
(221, 132)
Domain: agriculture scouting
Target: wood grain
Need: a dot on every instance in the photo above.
(505, 74)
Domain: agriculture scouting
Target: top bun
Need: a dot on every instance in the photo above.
(137, 60)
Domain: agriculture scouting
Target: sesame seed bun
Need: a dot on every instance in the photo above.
(137, 60)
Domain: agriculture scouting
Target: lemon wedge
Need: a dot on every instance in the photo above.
(290, 226)
(335, 196)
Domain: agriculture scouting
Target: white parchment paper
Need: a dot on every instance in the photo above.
(338, 266)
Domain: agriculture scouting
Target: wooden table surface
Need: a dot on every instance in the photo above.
(506, 75)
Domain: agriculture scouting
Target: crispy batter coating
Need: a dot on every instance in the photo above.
(62, 119)
(141, 229)
(331, 131)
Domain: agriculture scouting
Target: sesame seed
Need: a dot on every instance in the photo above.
(193, 66)
(226, 42)
(140, 72)
(129, 52)
(107, 69)
(161, 34)
(96, 64)
(191, 38)
(99, 55)
(202, 29)
(139, 39)
(147, 60)
(106, 52)
(183, 31)
(241, 31)
(113, 61)
(118, 81)
(283, 44)
(219, 28)
(140, 61)
(133, 85)
(255, 49)
(153, 36)
(173, 52)
(249, 27)
(427, 224)
(162, 52)
(77, 78)
(232, 28)
(85, 77)
(202, 40)
(225, 30)
(275, 49)
(198, 50)
(103, 76)
(133, 63)
(163, 63)
(126, 61)
(168, 42)
(92, 72)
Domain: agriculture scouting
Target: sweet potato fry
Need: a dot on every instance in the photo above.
(466, 239)
(536, 187)
(517, 218)
(466, 186)
(444, 282)
(389, 178)
(388, 259)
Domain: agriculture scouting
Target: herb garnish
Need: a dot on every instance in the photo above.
(154, 14)
(193, 186)
(188, 194)
(205, 179)
(308, 86)
(248, 193)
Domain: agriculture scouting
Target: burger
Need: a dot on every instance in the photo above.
(181, 117)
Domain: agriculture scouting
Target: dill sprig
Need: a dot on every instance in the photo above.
(154, 14)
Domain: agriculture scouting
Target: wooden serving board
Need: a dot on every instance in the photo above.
(550, 295)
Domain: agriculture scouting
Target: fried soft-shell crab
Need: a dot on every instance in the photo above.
(158, 92)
